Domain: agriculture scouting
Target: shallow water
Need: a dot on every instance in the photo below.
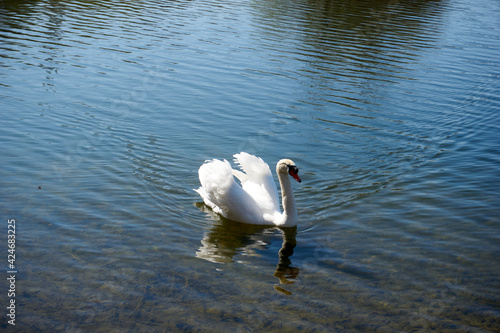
(390, 110)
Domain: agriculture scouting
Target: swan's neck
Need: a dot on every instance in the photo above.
(289, 216)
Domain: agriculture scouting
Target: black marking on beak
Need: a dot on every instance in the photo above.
(293, 171)
(293, 168)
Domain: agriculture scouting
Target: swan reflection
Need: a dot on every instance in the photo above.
(226, 240)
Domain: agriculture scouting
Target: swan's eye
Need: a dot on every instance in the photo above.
(293, 168)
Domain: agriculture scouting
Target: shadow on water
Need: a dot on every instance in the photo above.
(227, 241)
(348, 30)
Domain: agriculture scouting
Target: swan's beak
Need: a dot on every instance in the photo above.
(295, 176)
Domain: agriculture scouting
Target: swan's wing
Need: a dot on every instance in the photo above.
(220, 192)
(258, 181)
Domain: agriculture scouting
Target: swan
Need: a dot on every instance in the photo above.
(256, 200)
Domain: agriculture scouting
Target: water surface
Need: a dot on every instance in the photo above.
(389, 108)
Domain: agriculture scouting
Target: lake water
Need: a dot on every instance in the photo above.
(390, 109)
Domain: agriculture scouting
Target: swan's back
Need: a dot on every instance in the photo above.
(220, 192)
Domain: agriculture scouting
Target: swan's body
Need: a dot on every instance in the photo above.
(256, 200)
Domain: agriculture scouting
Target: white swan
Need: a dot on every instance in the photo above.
(256, 200)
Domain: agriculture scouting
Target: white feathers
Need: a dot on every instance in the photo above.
(255, 201)
(258, 181)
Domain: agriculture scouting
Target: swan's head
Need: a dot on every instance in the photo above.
(287, 166)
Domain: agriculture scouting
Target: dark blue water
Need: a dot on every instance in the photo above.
(390, 109)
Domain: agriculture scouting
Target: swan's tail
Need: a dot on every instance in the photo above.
(216, 178)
